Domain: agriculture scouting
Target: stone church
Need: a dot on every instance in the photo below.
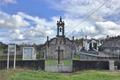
(59, 45)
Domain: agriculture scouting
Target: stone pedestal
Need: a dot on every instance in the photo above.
(111, 65)
(60, 67)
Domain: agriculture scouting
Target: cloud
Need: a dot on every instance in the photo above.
(109, 28)
(86, 7)
(12, 21)
(8, 1)
(5, 2)
(88, 17)
(40, 24)
(23, 27)
(33, 29)
(73, 29)
(37, 29)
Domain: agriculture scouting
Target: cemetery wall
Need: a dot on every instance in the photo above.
(117, 64)
(90, 65)
(29, 64)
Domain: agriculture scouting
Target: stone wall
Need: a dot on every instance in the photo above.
(30, 64)
(90, 65)
(65, 44)
(117, 64)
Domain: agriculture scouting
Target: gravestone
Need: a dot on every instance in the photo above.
(29, 53)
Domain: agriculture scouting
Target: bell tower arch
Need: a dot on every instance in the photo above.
(60, 28)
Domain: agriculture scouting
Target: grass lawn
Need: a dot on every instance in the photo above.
(76, 57)
(55, 62)
(40, 75)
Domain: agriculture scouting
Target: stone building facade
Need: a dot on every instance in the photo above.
(59, 44)
(111, 48)
(108, 49)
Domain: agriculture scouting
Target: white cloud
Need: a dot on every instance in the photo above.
(42, 26)
(39, 28)
(109, 28)
(86, 7)
(7, 1)
(23, 27)
(16, 34)
(33, 29)
(95, 25)
(109, 25)
(73, 29)
(12, 21)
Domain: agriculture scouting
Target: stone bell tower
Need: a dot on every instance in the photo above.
(60, 28)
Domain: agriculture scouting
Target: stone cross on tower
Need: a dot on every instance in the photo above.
(60, 27)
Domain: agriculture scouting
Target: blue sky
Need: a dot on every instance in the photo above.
(32, 7)
(30, 21)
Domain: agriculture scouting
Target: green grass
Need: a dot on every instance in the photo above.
(40, 75)
(55, 62)
(4, 57)
(76, 57)
(18, 57)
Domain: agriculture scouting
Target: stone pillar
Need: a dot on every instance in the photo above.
(73, 48)
(73, 38)
(92, 45)
(97, 47)
(47, 48)
(111, 65)
(59, 55)
(57, 30)
(63, 32)
(48, 41)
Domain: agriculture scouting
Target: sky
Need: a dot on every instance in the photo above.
(31, 21)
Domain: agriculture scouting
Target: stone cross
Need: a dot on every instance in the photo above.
(59, 51)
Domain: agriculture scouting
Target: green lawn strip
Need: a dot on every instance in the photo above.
(67, 62)
(6, 74)
(4, 57)
(55, 62)
(83, 75)
(20, 74)
(51, 62)
(18, 57)
(35, 75)
(96, 75)
(76, 57)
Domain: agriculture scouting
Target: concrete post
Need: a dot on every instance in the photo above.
(8, 56)
(14, 56)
